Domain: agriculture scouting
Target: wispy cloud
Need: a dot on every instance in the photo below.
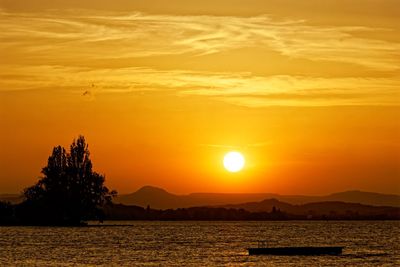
(259, 144)
(310, 91)
(118, 35)
(66, 49)
(239, 88)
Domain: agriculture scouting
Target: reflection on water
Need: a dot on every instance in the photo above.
(374, 243)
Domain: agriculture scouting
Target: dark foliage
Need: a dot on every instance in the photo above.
(6, 213)
(123, 212)
(69, 192)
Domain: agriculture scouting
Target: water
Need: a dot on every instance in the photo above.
(372, 243)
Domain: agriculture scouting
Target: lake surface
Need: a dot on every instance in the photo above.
(367, 243)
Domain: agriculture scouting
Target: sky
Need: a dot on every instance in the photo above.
(307, 91)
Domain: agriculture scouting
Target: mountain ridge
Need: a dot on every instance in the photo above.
(159, 198)
(320, 208)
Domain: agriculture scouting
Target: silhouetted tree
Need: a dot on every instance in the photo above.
(69, 192)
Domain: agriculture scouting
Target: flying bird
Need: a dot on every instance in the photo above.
(87, 93)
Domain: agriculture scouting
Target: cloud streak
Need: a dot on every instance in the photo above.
(240, 88)
(64, 50)
(118, 35)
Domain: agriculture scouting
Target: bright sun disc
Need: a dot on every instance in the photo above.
(234, 161)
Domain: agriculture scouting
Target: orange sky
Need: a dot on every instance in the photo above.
(308, 91)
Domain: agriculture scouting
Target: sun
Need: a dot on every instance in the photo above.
(233, 161)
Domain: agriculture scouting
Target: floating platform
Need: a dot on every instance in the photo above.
(291, 251)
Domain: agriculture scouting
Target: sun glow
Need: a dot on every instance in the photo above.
(234, 161)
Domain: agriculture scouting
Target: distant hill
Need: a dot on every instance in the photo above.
(332, 208)
(367, 198)
(158, 198)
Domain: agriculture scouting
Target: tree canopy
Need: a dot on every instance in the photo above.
(69, 192)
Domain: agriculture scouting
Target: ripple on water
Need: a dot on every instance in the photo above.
(367, 243)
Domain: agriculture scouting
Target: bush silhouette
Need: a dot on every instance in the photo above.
(69, 192)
